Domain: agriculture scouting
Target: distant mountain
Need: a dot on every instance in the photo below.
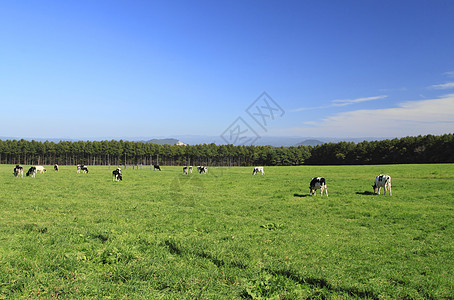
(311, 142)
(277, 141)
(274, 141)
(55, 140)
(166, 142)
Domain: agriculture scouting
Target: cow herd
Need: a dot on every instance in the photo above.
(200, 169)
(381, 181)
(19, 171)
(317, 183)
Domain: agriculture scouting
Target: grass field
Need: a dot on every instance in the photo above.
(227, 234)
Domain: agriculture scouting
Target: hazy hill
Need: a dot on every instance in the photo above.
(311, 142)
(166, 142)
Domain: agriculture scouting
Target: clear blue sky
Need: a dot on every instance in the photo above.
(94, 69)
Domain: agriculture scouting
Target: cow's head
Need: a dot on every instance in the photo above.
(311, 190)
(375, 187)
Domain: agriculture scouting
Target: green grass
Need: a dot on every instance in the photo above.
(227, 234)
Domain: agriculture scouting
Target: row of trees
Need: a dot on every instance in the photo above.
(420, 149)
(136, 153)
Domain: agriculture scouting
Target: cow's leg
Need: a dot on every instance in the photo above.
(326, 190)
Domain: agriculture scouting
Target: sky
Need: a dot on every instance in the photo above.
(236, 70)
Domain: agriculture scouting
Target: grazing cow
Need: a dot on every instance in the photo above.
(116, 175)
(82, 168)
(56, 167)
(31, 172)
(202, 169)
(318, 183)
(40, 169)
(190, 169)
(156, 167)
(18, 171)
(382, 181)
(185, 170)
(258, 169)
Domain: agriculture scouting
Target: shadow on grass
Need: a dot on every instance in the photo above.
(102, 237)
(365, 193)
(175, 247)
(301, 195)
(322, 283)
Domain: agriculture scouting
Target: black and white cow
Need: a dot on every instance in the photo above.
(185, 170)
(156, 167)
(382, 181)
(116, 175)
(18, 171)
(31, 172)
(82, 168)
(190, 169)
(258, 169)
(202, 169)
(318, 183)
(56, 167)
(40, 169)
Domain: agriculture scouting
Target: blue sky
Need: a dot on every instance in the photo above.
(114, 69)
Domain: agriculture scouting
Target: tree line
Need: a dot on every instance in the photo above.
(420, 149)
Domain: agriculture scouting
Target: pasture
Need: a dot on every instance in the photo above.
(227, 234)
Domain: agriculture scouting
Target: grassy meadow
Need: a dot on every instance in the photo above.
(227, 234)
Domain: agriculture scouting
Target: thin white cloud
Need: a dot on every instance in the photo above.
(311, 123)
(444, 86)
(430, 116)
(358, 100)
(307, 108)
(401, 89)
(450, 74)
(337, 103)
